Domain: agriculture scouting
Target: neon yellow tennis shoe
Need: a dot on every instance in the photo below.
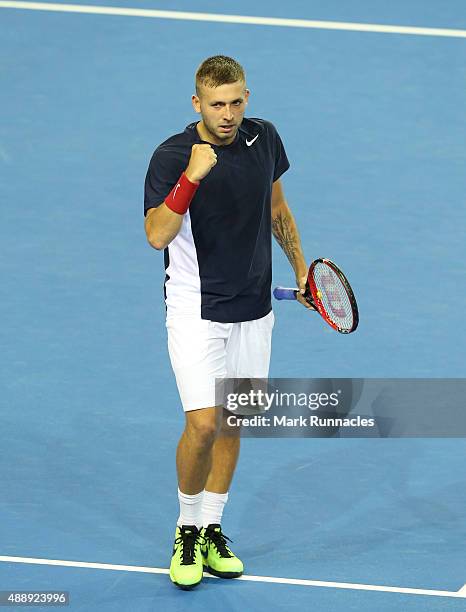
(186, 564)
(216, 556)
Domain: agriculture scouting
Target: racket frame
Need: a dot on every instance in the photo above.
(312, 296)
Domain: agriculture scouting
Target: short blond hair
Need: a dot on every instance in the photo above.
(218, 70)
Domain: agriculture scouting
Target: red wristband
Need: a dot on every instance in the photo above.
(181, 195)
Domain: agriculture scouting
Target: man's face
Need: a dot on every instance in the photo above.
(222, 109)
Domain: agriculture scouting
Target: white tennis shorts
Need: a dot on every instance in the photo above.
(201, 351)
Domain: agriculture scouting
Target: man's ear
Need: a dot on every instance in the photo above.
(196, 103)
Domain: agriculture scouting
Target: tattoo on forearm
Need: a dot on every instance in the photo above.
(285, 235)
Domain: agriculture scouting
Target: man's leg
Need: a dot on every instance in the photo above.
(218, 558)
(193, 462)
(194, 453)
(206, 457)
(248, 356)
(225, 452)
(197, 355)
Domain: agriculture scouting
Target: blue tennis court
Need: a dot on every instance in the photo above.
(373, 123)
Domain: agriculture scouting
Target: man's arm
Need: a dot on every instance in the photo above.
(162, 224)
(286, 234)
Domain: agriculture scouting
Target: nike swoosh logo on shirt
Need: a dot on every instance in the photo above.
(250, 142)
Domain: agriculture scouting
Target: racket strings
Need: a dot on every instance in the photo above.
(333, 296)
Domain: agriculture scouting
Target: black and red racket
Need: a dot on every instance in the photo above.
(329, 292)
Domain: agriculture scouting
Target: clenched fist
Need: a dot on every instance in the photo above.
(201, 162)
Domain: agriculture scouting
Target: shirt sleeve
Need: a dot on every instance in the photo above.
(162, 175)
(281, 160)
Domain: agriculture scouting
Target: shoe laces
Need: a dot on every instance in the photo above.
(219, 540)
(188, 538)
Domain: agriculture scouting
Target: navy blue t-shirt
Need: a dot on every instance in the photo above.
(220, 264)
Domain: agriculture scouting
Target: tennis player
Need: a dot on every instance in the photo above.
(213, 197)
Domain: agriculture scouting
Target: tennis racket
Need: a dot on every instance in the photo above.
(329, 292)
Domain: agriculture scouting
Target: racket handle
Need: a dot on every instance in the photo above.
(284, 293)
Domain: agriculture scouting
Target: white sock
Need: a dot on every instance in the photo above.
(212, 507)
(190, 509)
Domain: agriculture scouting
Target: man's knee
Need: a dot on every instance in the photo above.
(229, 427)
(202, 426)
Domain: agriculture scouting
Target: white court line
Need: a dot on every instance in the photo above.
(312, 583)
(244, 19)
